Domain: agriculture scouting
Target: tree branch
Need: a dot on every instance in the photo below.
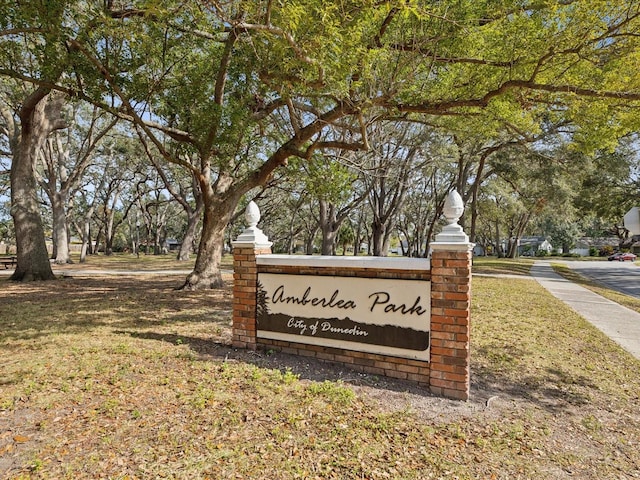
(446, 107)
(377, 40)
(292, 147)
(135, 118)
(338, 145)
(18, 31)
(176, 134)
(283, 34)
(223, 68)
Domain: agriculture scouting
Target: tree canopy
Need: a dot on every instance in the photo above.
(241, 87)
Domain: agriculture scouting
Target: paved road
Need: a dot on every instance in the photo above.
(621, 276)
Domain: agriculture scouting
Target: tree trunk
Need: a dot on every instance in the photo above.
(309, 239)
(60, 229)
(475, 188)
(328, 228)
(292, 230)
(308, 244)
(404, 232)
(386, 242)
(186, 249)
(157, 246)
(39, 116)
(328, 242)
(108, 237)
(96, 248)
(86, 241)
(206, 272)
(378, 234)
(361, 233)
(357, 242)
(510, 249)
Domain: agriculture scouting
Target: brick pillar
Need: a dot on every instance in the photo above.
(451, 256)
(450, 321)
(251, 243)
(245, 279)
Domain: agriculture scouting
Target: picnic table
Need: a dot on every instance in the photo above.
(8, 261)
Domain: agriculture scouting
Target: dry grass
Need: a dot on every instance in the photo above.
(129, 262)
(105, 377)
(502, 266)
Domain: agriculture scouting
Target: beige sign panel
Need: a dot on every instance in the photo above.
(384, 316)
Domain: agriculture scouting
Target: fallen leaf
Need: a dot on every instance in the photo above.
(6, 449)
(20, 439)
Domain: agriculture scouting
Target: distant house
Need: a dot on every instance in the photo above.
(172, 245)
(529, 246)
(546, 246)
(584, 245)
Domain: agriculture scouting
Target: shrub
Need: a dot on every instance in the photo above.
(606, 251)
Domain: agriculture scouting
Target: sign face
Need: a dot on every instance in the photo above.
(632, 221)
(384, 316)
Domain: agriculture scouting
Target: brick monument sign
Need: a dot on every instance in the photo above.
(398, 317)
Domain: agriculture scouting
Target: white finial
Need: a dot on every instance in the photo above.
(453, 207)
(451, 233)
(252, 235)
(252, 214)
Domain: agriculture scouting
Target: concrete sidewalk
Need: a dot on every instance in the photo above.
(619, 323)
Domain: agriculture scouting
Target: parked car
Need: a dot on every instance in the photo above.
(621, 257)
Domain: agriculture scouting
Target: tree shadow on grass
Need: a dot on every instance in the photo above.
(549, 388)
(42, 310)
(552, 389)
(134, 305)
(306, 368)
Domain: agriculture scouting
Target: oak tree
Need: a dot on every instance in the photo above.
(216, 79)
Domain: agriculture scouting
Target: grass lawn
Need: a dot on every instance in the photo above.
(123, 377)
(127, 261)
(500, 266)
